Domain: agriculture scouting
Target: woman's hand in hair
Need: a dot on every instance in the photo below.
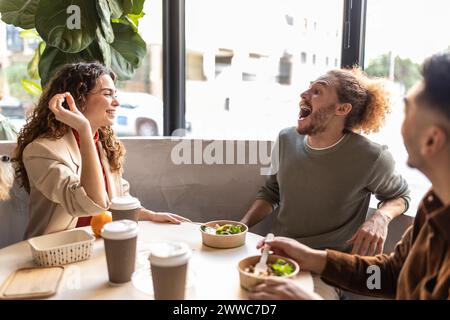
(72, 116)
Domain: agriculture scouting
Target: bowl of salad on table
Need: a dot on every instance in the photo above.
(223, 234)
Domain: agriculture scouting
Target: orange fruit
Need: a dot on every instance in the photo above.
(98, 221)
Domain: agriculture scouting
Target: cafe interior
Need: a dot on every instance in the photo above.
(204, 88)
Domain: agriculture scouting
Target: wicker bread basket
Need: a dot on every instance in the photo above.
(62, 247)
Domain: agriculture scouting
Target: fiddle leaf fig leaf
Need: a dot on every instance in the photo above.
(20, 13)
(127, 51)
(33, 65)
(133, 6)
(105, 20)
(31, 87)
(62, 28)
(116, 8)
(52, 59)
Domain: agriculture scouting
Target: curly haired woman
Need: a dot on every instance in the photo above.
(327, 171)
(67, 156)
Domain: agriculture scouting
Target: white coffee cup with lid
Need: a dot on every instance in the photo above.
(120, 238)
(169, 262)
(125, 207)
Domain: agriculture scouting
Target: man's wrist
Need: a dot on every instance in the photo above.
(383, 214)
(318, 261)
(244, 221)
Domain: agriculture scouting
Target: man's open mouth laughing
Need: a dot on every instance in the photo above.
(305, 111)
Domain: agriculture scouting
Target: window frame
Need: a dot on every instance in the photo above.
(353, 33)
(174, 54)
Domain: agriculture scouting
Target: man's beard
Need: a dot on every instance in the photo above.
(318, 122)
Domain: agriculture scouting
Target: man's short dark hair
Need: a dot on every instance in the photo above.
(436, 77)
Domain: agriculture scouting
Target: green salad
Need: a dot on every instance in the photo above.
(226, 229)
(280, 268)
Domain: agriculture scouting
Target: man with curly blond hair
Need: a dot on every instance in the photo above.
(324, 171)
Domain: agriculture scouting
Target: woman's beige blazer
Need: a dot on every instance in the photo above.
(56, 197)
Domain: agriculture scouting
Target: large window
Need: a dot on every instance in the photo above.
(15, 52)
(141, 110)
(399, 36)
(248, 61)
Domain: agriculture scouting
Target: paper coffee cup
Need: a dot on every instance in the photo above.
(125, 207)
(168, 262)
(120, 239)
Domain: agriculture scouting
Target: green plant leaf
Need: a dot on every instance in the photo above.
(127, 51)
(105, 48)
(116, 8)
(52, 59)
(105, 20)
(33, 65)
(133, 6)
(31, 87)
(29, 34)
(126, 20)
(20, 13)
(58, 28)
(135, 18)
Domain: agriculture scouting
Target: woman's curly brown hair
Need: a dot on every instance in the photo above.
(78, 79)
(369, 98)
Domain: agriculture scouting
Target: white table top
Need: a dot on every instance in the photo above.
(213, 273)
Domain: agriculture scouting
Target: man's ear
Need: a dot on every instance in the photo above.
(436, 140)
(343, 109)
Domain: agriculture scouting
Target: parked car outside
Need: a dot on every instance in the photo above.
(139, 114)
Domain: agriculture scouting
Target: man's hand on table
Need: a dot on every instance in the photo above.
(369, 239)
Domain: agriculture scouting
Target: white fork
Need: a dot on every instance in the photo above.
(261, 266)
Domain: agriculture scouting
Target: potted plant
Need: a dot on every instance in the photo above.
(79, 30)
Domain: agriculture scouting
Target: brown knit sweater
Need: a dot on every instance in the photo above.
(419, 268)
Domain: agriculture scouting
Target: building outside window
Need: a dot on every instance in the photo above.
(256, 93)
(303, 57)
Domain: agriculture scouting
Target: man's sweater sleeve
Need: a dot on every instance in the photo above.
(384, 182)
(271, 191)
(373, 276)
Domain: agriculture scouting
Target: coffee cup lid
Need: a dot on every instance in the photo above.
(124, 203)
(169, 254)
(120, 230)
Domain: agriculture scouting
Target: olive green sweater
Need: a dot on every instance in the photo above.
(323, 195)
